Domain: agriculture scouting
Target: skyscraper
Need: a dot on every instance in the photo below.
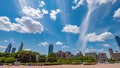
(118, 41)
(21, 47)
(8, 49)
(50, 49)
(13, 50)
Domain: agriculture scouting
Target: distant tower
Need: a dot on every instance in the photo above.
(111, 53)
(13, 50)
(50, 49)
(8, 49)
(118, 41)
(21, 46)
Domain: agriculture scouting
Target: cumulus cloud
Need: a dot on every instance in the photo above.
(87, 50)
(54, 13)
(92, 37)
(5, 24)
(91, 2)
(28, 25)
(77, 3)
(65, 46)
(3, 47)
(59, 43)
(117, 13)
(29, 11)
(43, 44)
(71, 29)
(34, 13)
(100, 2)
(106, 45)
(41, 3)
(44, 11)
(27, 49)
(22, 25)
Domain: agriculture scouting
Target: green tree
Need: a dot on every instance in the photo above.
(51, 58)
(10, 60)
(26, 56)
(2, 59)
(42, 58)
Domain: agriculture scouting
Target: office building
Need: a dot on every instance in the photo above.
(79, 54)
(61, 54)
(21, 47)
(114, 56)
(102, 57)
(8, 49)
(118, 41)
(92, 54)
(50, 49)
(13, 50)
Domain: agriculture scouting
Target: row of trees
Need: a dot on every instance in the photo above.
(34, 57)
(26, 57)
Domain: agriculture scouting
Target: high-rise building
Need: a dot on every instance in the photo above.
(118, 41)
(79, 54)
(21, 47)
(61, 54)
(8, 49)
(102, 57)
(114, 56)
(50, 49)
(92, 54)
(13, 50)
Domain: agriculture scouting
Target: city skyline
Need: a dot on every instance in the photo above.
(76, 25)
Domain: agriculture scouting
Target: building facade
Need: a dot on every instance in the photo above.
(50, 49)
(21, 47)
(118, 41)
(93, 54)
(114, 56)
(13, 50)
(8, 49)
(102, 57)
(79, 54)
(63, 55)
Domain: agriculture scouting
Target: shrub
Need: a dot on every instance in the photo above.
(10, 60)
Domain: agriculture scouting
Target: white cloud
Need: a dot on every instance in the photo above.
(27, 49)
(100, 2)
(23, 25)
(3, 47)
(54, 13)
(59, 43)
(29, 11)
(8, 41)
(34, 13)
(65, 46)
(43, 44)
(106, 1)
(92, 37)
(5, 24)
(117, 13)
(44, 11)
(106, 45)
(28, 25)
(87, 50)
(77, 3)
(71, 29)
(41, 4)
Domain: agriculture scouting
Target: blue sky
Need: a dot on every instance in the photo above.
(70, 25)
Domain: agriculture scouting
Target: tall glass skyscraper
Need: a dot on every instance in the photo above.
(118, 41)
(50, 49)
(13, 50)
(21, 47)
(8, 49)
